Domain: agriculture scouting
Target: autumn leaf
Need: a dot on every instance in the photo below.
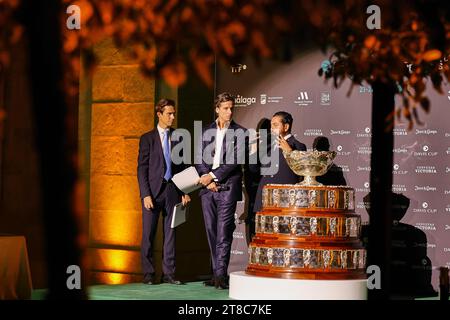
(203, 64)
(370, 41)
(431, 55)
(174, 74)
(70, 41)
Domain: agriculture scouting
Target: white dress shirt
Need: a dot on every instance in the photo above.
(220, 136)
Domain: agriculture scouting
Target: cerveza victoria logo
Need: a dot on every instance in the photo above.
(400, 132)
(425, 152)
(240, 101)
(424, 226)
(344, 167)
(365, 150)
(399, 188)
(426, 169)
(312, 132)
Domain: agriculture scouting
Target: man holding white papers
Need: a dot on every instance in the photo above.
(158, 193)
(221, 175)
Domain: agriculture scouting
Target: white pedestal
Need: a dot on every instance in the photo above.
(248, 287)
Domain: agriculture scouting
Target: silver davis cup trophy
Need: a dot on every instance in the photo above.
(320, 223)
(309, 164)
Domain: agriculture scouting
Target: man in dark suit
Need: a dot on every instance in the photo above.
(219, 160)
(281, 126)
(158, 193)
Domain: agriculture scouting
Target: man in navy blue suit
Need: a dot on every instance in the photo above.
(281, 126)
(220, 156)
(158, 193)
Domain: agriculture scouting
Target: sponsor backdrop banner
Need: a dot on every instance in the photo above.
(421, 156)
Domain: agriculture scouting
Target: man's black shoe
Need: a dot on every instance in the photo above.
(221, 283)
(171, 280)
(148, 280)
(209, 283)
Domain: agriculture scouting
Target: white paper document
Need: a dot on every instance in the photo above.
(187, 180)
(179, 215)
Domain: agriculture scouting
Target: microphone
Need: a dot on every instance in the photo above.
(222, 187)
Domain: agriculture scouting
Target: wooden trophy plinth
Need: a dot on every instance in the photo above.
(307, 232)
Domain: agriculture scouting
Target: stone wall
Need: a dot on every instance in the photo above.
(121, 110)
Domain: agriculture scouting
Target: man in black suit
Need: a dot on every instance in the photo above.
(280, 126)
(158, 193)
(219, 160)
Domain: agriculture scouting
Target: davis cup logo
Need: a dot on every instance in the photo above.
(424, 205)
(339, 148)
(396, 166)
(367, 130)
(366, 184)
(425, 148)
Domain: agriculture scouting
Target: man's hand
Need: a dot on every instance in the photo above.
(148, 203)
(283, 144)
(205, 180)
(185, 199)
(213, 187)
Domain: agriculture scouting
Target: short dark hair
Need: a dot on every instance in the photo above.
(159, 107)
(223, 97)
(286, 118)
(321, 144)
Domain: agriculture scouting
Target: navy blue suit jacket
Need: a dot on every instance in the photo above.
(229, 174)
(151, 164)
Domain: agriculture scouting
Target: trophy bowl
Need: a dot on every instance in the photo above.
(309, 164)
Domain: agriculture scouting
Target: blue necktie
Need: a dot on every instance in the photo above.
(166, 148)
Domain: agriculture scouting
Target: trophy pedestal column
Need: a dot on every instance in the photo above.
(248, 287)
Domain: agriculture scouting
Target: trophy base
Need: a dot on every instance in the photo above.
(310, 181)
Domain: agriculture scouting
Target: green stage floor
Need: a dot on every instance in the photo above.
(139, 291)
